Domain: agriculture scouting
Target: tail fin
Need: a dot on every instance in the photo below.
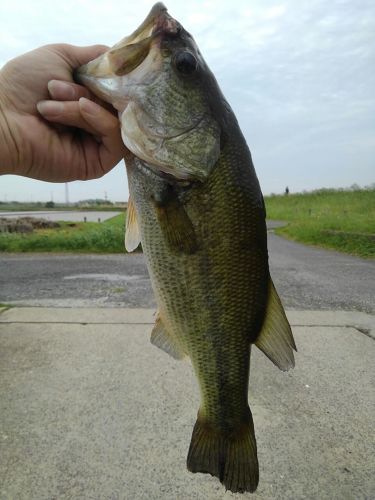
(230, 456)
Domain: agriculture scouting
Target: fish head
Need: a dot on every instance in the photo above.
(165, 94)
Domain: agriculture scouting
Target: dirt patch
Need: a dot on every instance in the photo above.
(25, 225)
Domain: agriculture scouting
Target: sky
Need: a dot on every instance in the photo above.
(299, 75)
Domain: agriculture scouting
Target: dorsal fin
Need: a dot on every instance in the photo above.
(165, 341)
(276, 338)
(132, 236)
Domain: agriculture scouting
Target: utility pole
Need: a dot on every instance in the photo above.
(66, 194)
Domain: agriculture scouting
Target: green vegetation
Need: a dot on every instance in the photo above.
(343, 220)
(4, 307)
(105, 237)
(18, 206)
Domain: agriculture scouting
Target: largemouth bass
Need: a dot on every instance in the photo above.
(196, 206)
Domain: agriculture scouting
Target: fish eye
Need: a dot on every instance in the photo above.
(185, 63)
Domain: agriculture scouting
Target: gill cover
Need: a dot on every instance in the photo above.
(155, 79)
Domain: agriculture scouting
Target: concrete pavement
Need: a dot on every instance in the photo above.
(89, 409)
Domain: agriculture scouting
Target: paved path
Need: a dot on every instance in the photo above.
(306, 278)
(312, 278)
(89, 409)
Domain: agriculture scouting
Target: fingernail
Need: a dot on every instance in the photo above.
(50, 108)
(58, 88)
(90, 107)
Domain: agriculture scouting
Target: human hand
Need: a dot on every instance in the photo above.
(50, 129)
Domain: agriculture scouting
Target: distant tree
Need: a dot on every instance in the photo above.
(50, 204)
(96, 201)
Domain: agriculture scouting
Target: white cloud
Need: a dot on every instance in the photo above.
(275, 11)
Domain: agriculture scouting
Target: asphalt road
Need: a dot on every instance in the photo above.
(306, 277)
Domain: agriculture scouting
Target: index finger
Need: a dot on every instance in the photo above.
(76, 56)
(67, 91)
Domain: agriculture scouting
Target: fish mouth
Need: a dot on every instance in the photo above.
(131, 51)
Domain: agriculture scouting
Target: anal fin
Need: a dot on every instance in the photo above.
(165, 341)
(276, 338)
(132, 235)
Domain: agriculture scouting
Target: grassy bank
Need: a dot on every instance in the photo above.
(341, 220)
(337, 219)
(106, 237)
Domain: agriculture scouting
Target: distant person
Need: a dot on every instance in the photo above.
(49, 128)
(286, 191)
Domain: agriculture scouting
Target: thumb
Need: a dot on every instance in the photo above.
(76, 56)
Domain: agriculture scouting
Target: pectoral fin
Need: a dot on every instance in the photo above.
(166, 341)
(176, 226)
(276, 338)
(132, 235)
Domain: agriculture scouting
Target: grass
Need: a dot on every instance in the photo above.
(5, 307)
(342, 220)
(105, 237)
